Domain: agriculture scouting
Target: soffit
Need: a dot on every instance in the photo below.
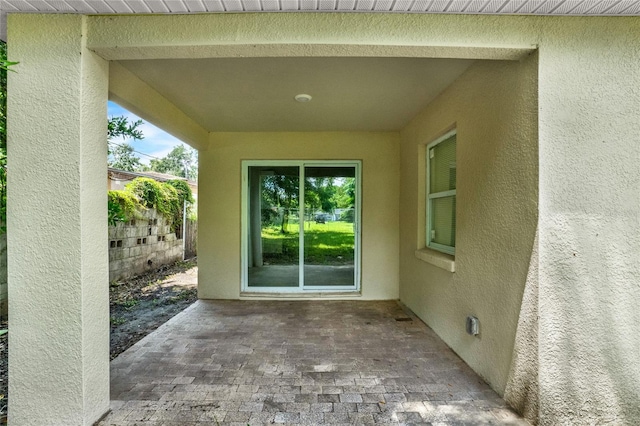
(522, 7)
(257, 94)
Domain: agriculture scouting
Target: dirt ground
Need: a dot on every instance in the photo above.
(140, 305)
(4, 368)
(137, 307)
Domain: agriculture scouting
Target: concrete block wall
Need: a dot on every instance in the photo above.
(142, 244)
(158, 246)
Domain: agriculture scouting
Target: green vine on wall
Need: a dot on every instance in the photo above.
(167, 198)
(122, 207)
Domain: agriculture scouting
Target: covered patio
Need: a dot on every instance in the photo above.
(298, 362)
(539, 207)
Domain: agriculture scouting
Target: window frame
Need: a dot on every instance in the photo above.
(429, 196)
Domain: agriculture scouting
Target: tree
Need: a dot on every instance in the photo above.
(345, 196)
(119, 127)
(121, 155)
(122, 158)
(281, 192)
(320, 194)
(181, 161)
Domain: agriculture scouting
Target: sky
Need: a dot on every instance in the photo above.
(156, 142)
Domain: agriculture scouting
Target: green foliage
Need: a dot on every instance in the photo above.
(116, 321)
(192, 212)
(5, 66)
(146, 190)
(167, 198)
(320, 194)
(183, 190)
(170, 206)
(184, 195)
(151, 194)
(345, 194)
(181, 162)
(119, 127)
(279, 194)
(121, 157)
(122, 206)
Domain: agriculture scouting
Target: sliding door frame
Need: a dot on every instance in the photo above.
(245, 194)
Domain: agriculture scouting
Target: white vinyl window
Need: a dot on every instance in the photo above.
(441, 194)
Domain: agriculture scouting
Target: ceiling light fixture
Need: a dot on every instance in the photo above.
(303, 98)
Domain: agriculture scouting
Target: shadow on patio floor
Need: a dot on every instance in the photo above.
(293, 362)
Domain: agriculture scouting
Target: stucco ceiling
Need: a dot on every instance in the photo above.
(257, 94)
(534, 7)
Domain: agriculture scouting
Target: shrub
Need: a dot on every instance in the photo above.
(149, 192)
(122, 206)
(184, 191)
(167, 198)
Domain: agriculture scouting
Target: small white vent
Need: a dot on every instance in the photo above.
(473, 326)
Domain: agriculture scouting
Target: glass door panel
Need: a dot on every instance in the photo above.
(329, 226)
(274, 226)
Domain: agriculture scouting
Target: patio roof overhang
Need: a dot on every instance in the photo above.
(487, 7)
(369, 88)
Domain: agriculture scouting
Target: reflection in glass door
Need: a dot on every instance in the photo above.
(274, 227)
(329, 226)
(300, 237)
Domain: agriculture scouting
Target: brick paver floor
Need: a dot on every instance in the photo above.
(297, 362)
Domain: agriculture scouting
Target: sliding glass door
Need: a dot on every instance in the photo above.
(300, 237)
(274, 226)
(329, 226)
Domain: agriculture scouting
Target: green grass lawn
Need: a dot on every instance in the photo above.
(330, 243)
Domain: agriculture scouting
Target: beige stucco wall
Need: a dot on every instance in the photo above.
(220, 202)
(589, 222)
(523, 388)
(493, 107)
(57, 219)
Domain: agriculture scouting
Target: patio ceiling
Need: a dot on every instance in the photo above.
(257, 94)
(524, 7)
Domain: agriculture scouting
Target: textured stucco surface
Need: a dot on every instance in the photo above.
(589, 251)
(493, 107)
(262, 34)
(588, 152)
(522, 388)
(219, 202)
(57, 213)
